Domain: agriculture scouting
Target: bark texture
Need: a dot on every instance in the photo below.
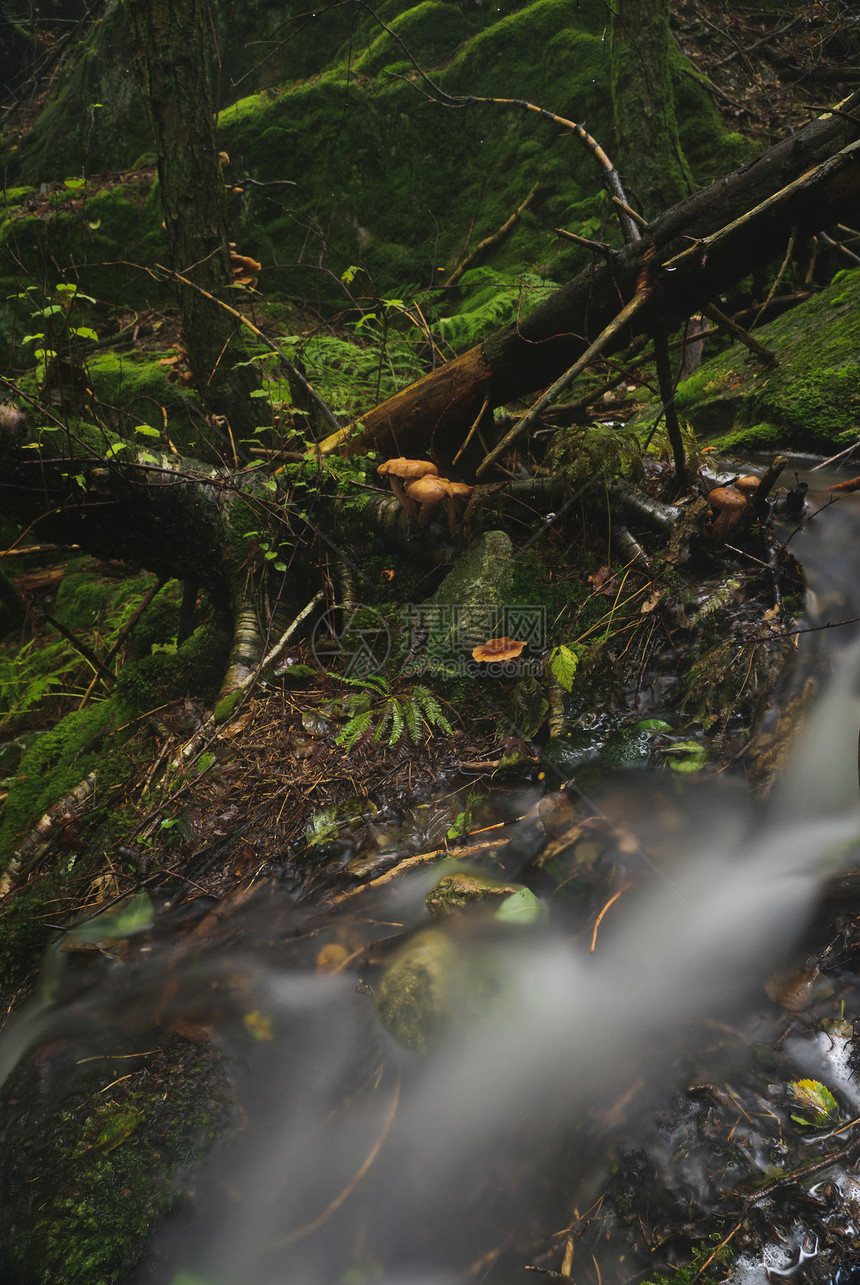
(647, 149)
(172, 43)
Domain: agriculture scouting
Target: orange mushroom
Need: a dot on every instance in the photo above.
(457, 491)
(244, 268)
(428, 491)
(404, 469)
(747, 485)
(728, 506)
(498, 649)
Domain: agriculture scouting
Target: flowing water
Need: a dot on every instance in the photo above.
(360, 1161)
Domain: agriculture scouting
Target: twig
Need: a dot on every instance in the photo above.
(421, 858)
(789, 250)
(86, 652)
(489, 241)
(599, 247)
(291, 369)
(767, 354)
(624, 888)
(473, 430)
(350, 1187)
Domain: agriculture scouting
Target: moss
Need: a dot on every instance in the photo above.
(809, 401)
(89, 739)
(85, 598)
(94, 238)
(389, 179)
(57, 762)
(433, 27)
(134, 384)
(93, 1169)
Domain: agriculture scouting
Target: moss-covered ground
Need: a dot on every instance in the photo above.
(94, 1157)
(809, 401)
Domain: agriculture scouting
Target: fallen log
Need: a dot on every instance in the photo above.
(691, 253)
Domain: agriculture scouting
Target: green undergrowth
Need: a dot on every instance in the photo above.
(98, 238)
(131, 389)
(385, 177)
(90, 739)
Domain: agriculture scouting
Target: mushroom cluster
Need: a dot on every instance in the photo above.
(730, 507)
(419, 488)
(243, 267)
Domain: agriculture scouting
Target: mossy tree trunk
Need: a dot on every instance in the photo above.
(647, 150)
(172, 43)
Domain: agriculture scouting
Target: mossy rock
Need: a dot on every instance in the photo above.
(810, 401)
(89, 1173)
(384, 177)
(134, 384)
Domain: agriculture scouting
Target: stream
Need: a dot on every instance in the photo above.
(358, 1160)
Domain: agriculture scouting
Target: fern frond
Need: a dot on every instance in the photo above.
(431, 709)
(397, 721)
(412, 718)
(387, 716)
(354, 730)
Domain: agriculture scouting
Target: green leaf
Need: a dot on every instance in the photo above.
(653, 725)
(115, 448)
(348, 274)
(117, 1129)
(74, 183)
(563, 664)
(29, 339)
(205, 762)
(521, 907)
(146, 430)
(135, 916)
(397, 723)
(259, 392)
(84, 332)
(820, 1108)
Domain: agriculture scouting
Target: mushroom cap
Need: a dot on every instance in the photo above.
(427, 490)
(404, 468)
(726, 498)
(243, 263)
(498, 649)
(747, 485)
(460, 490)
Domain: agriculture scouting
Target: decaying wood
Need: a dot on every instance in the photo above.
(710, 240)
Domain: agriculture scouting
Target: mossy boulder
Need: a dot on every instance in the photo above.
(809, 401)
(94, 1160)
(347, 156)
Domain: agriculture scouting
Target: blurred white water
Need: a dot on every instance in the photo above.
(418, 1159)
(360, 1161)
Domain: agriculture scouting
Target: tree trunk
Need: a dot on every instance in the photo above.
(692, 252)
(647, 151)
(172, 40)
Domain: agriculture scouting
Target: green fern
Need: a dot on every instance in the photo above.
(493, 299)
(357, 727)
(376, 710)
(431, 709)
